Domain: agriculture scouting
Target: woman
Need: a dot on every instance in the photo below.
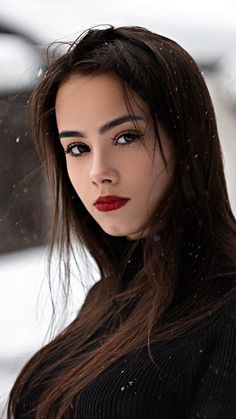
(125, 126)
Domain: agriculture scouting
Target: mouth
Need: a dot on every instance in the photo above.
(110, 203)
(109, 199)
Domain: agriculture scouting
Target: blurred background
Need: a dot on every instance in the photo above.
(205, 28)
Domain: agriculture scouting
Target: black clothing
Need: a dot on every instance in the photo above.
(194, 376)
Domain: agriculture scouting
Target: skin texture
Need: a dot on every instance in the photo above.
(113, 161)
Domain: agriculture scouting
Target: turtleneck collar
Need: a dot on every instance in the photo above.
(135, 262)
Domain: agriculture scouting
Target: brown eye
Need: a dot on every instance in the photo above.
(127, 138)
(76, 149)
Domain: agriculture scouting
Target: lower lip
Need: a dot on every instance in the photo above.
(111, 206)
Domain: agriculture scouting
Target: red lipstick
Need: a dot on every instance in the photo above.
(110, 202)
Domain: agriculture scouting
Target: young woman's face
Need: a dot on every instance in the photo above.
(105, 155)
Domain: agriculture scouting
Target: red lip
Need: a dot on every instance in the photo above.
(110, 202)
(111, 206)
(110, 198)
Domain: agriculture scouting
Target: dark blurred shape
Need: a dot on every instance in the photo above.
(25, 204)
(6, 29)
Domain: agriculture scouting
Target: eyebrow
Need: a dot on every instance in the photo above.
(106, 127)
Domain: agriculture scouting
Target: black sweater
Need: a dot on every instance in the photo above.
(194, 377)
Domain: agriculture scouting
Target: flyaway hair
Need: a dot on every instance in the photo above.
(185, 275)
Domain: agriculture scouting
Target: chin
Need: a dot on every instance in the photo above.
(116, 231)
(134, 234)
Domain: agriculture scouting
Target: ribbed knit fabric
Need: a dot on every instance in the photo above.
(194, 376)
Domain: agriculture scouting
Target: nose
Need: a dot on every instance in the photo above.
(102, 170)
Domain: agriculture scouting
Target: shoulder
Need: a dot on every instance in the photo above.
(222, 318)
(213, 367)
(210, 344)
(218, 331)
(213, 338)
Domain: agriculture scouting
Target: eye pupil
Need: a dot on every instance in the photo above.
(128, 137)
(76, 149)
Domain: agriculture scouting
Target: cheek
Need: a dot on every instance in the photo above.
(161, 175)
(71, 173)
(77, 176)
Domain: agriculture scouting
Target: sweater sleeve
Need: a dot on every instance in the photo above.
(215, 391)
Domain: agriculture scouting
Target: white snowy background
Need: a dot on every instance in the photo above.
(207, 29)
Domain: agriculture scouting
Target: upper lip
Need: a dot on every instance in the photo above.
(109, 198)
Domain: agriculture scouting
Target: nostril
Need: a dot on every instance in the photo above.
(103, 177)
(106, 180)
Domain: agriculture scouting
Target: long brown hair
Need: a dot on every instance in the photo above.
(178, 284)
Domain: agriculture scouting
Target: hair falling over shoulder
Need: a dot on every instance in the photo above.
(197, 249)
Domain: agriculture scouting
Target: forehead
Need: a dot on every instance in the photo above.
(100, 95)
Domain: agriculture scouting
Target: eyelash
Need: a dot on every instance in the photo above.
(133, 136)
